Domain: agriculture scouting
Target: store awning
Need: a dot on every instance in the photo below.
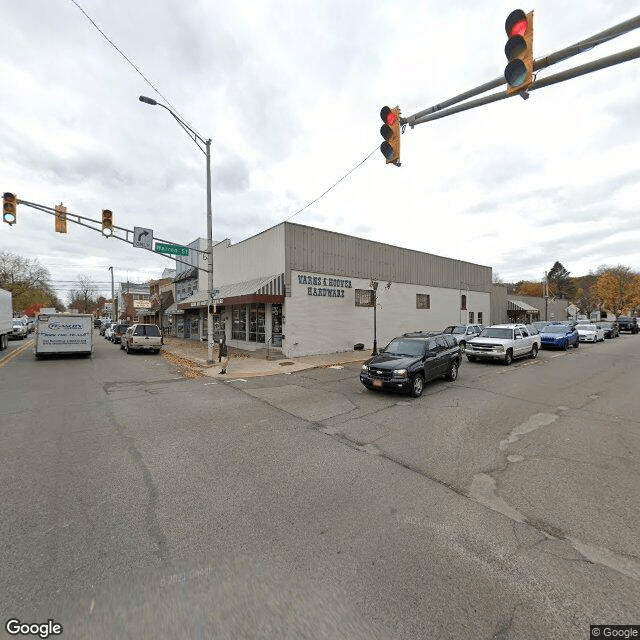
(518, 305)
(173, 310)
(268, 289)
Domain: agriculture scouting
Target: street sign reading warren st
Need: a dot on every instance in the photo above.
(172, 248)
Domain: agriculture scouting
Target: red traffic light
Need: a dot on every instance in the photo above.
(390, 131)
(518, 50)
(516, 23)
(388, 116)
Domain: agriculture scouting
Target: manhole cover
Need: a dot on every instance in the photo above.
(284, 364)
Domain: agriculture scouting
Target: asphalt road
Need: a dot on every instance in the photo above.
(138, 504)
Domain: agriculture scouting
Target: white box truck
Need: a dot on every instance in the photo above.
(63, 333)
(6, 318)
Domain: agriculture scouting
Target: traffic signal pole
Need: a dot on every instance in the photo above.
(95, 225)
(441, 109)
(590, 67)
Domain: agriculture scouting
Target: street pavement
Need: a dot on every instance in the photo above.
(139, 503)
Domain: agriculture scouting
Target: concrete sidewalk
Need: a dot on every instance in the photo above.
(247, 364)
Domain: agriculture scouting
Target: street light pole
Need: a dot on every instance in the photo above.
(199, 140)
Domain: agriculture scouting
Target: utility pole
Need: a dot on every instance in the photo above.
(114, 313)
(546, 297)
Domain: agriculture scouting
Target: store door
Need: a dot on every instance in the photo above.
(276, 324)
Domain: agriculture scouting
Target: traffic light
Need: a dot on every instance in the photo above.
(107, 222)
(61, 218)
(9, 204)
(519, 51)
(390, 131)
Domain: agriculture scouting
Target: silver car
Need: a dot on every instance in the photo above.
(20, 329)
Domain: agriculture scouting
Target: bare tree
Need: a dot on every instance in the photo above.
(83, 296)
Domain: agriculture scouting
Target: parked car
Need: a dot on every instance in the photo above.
(142, 337)
(541, 324)
(503, 342)
(611, 329)
(532, 329)
(463, 333)
(104, 327)
(109, 330)
(19, 330)
(97, 323)
(406, 363)
(590, 333)
(559, 336)
(117, 331)
(626, 323)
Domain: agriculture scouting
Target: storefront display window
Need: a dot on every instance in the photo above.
(239, 325)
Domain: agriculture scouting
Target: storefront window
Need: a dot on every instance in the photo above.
(256, 322)
(239, 323)
(218, 326)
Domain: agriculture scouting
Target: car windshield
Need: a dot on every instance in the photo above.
(403, 347)
(586, 327)
(455, 328)
(497, 332)
(555, 328)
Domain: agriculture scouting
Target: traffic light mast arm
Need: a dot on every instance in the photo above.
(84, 221)
(546, 61)
(590, 67)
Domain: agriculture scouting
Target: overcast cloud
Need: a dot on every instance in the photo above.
(290, 95)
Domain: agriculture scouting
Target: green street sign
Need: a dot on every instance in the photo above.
(172, 248)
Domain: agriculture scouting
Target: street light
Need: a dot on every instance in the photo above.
(199, 140)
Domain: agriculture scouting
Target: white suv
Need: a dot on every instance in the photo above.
(503, 342)
(463, 333)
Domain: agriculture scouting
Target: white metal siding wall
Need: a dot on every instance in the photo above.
(257, 257)
(314, 324)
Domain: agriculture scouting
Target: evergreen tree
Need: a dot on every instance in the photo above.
(560, 283)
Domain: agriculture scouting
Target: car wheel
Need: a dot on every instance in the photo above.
(453, 372)
(508, 358)
(534, 351)
(126, 348)
(471, 358)
(565, 346)
(463, 345)
(121, 346)
(577, 344)
(417, 385)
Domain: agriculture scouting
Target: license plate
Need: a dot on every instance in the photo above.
(377, 383)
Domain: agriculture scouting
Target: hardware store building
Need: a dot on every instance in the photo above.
(307, 291)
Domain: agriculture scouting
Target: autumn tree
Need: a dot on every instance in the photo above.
(559, 281)
(28, 281)
(526, 288)
(618, 289)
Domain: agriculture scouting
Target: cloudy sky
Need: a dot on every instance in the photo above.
(290, 94)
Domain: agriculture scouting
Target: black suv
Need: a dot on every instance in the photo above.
(406, 363)
(625, 323)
